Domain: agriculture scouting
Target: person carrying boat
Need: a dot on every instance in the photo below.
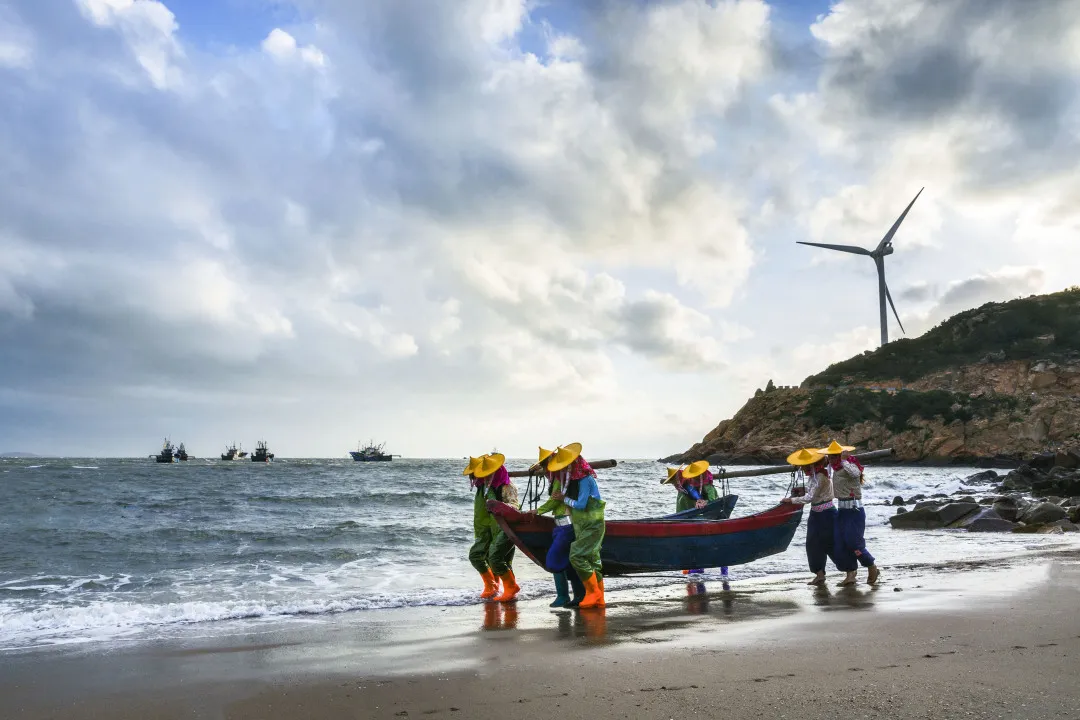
(557, 561)
(492, 552)
(821, 523)
(587, 516)
(695, 487)
(849, 543)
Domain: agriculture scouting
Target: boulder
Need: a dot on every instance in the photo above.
(932, 518)
(986, 520)
(1065, 525)
(1070, 502)
(1074, 514)
(1043, 461)
(1022, 478)
(1007, 508)
(935, 504)
(965, 499)
(1042, 513)
(1052, 499)
(917, 498)
(898, 500)
(1067, 459)
(986, 476)
(901, 510)
(1029, 529)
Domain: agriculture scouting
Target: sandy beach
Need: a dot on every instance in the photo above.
(974, 640)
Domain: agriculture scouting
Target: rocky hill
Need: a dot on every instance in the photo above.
(994, 385)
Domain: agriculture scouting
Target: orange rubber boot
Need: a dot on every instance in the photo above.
(594, 596)
(491, 585)
(600, 583)
(510, 587)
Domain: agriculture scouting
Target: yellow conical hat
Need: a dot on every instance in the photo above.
(490, 464)
(836, 448)
(474, 462)
(564, 456)
(806, 456)
(671, 473)
(695, 468)
(544, 455)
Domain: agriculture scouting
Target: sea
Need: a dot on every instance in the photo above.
(121, 550)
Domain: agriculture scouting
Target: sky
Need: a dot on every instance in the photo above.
(495, 224)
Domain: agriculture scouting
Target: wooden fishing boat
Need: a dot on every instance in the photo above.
(659, 544)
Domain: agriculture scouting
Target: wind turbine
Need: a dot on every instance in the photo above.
(878, 254)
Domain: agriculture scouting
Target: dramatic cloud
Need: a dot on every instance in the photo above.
(389, 217)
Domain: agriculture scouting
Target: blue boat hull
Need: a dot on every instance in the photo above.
(662, 544)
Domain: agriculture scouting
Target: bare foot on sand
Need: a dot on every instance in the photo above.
(872, 575)
(848, 580)
(818, 579)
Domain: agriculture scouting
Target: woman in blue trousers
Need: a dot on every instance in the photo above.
(821, 523)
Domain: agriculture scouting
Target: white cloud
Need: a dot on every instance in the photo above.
(148, 27)
(283, 46)
(16, 41)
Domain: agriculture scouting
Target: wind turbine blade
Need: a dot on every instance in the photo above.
(896, 225)
(841, 248)
(888, 296)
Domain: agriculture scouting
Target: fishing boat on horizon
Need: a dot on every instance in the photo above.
(371, 453)
(262, 453)
(169, 453)
(232, 453)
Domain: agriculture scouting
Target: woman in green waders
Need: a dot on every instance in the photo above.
(694, 484)
(557, 561)
(587, 515)
(492, 552)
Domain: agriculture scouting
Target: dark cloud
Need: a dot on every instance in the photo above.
(919, 292)
(926, 64)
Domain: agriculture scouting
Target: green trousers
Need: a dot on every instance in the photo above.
(492, 549)
(585, 550)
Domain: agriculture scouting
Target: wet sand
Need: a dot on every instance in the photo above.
(994, 641)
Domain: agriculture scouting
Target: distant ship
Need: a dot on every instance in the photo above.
(231, 453)
(262, 453)
(370, 453)
(169, 453)
(181, 453)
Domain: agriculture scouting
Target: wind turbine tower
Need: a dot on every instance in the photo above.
(878, 254)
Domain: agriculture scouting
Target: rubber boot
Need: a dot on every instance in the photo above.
(491, 585)
(600, 584)
(562, 590)
(510, 587)
(579, 587)
(594, 596)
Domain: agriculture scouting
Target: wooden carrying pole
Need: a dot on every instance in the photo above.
(597, 465)
(777, 469)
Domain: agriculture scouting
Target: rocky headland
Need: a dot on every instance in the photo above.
(990, 387)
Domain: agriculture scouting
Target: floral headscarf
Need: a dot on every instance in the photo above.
(499, 478)
(580, 468)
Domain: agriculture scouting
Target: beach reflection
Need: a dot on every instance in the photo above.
(500, 616)
(852, 597)
(645, 616)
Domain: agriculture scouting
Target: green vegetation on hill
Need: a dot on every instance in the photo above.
(839, 410)
(1041, 326)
